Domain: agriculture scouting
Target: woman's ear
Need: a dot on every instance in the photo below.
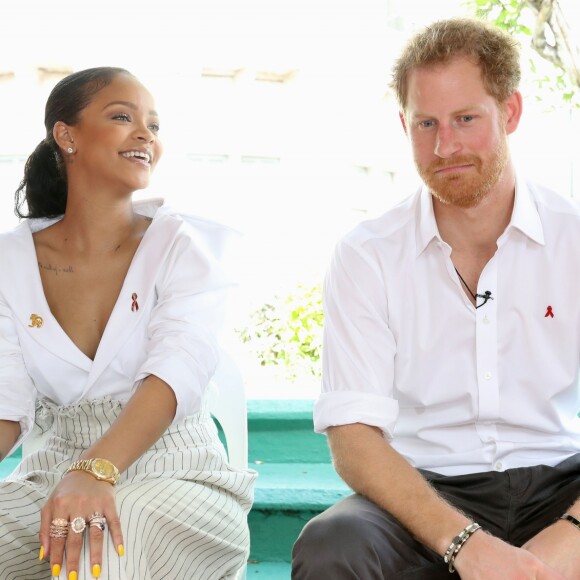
(63, 136)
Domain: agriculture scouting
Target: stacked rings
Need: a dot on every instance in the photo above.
(58, 528)
(78, 525)
(97, 520)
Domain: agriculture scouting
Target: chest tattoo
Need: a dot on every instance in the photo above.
(56, 270)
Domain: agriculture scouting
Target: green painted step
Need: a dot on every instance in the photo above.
(296, 478)
(9, 464)
(282, 432)
(287, 496)
(298, 486)
(273, 533)
(269, 570)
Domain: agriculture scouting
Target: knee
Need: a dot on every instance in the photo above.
(328, 543)
(338, 532)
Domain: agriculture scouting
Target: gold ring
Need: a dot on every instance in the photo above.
(58, 528)
(97, 521)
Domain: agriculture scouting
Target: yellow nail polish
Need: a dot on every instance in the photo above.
(56, 570)
(41, 553)
(73, 575)
(96, 571)
(121, 550)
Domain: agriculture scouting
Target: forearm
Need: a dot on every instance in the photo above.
(374, 469)
(141, 423)
(9, 433)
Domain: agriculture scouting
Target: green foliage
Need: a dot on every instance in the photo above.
(506, 14)
(552, 83)
(288, 332)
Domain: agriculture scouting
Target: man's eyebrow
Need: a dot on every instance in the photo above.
(462, 111)
(129, 105)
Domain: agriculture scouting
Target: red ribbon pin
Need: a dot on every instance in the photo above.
(135, 305)
(549, 312)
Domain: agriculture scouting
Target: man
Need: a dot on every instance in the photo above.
(452, 346)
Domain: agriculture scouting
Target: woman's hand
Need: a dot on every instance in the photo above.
(79, 494)
(144, 419)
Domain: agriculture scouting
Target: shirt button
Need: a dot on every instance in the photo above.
(486, 320)
(499, 466)
(487, 376)
(490, 439)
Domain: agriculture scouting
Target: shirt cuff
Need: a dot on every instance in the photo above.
(335, 408)
(187, 380)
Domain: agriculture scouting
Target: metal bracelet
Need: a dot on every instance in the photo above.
(457, 543)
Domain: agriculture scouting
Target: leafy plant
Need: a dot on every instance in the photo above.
(288, 332)
(542, 26)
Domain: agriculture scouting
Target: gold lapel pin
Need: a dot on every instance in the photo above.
(36, 321)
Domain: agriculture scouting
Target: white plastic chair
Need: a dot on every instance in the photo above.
(227, 403)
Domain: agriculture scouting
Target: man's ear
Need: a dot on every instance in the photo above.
(62, 134)
(403, 122)
(513, 107)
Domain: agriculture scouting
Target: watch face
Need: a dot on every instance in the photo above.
(103, 468)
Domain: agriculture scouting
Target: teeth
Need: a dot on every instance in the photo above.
(138, 154)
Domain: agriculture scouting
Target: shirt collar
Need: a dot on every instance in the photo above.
(525, 217)
(427, 229)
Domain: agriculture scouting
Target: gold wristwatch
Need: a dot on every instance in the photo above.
(102, 469)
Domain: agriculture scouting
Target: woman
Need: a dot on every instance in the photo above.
(108, 318)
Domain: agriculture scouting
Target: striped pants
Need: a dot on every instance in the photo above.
(183, 510)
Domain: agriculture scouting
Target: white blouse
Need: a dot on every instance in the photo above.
(165, 321)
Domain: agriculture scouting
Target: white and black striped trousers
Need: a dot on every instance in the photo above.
(183, 509)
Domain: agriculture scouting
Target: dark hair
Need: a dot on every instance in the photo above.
(493, 50)
(44, 186)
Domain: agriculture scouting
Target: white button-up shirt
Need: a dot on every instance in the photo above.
(165, 321)
(454, 388)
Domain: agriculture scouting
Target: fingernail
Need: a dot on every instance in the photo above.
(121, 550)
(41, 553)
(96, 571)
(56, 570)
(73, 575)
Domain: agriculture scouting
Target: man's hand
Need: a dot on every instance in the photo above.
(486, 557)
(558, 546)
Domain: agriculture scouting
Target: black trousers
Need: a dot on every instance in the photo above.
(355, 539)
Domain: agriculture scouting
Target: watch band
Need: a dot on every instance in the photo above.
(101, 469)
